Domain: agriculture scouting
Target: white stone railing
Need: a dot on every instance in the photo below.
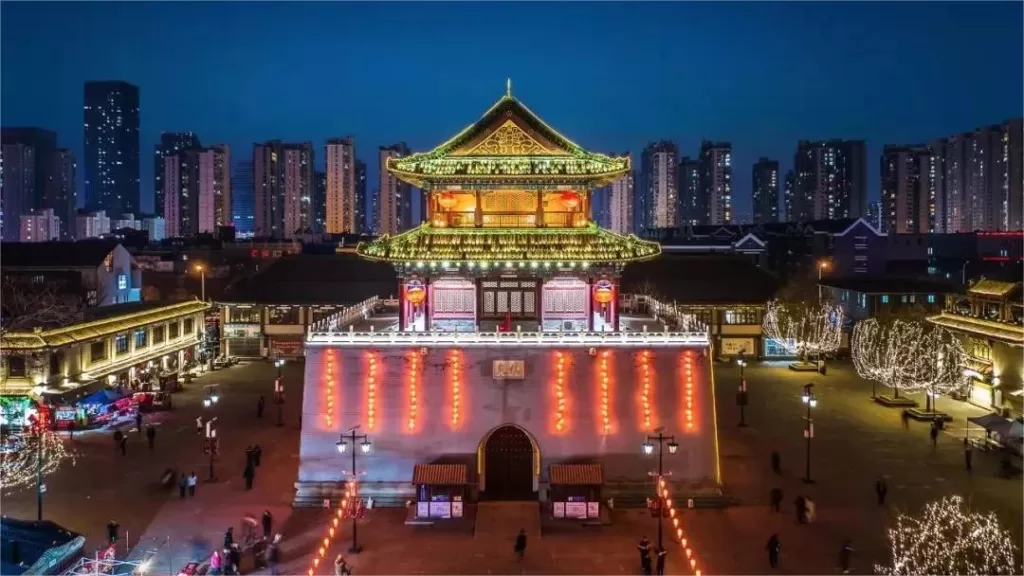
(687, 322)
(346, 316)
(526, 339)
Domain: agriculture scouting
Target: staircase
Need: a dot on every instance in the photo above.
(503, 520)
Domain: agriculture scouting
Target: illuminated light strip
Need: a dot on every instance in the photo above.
(456, 365)
(414, 401)
(330, 390)
(332, 529)
(371, 394)
(560, 399)
(646, 391)
(688, 397)
(691, 556)
(606, 418)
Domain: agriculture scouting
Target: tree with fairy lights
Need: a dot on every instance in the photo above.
(804, 329)
(949, 538)
(909, 356)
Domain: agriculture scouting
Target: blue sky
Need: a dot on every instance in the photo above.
(611, 76)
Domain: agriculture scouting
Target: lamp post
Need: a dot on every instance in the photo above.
(211, 446)
(811, 401)
(202, 275)
(648, 447)
(822, 266)
(741, 395)
(279, 392)
(40, 487)
(364, 447)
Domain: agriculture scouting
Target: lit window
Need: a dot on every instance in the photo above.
(885, 298)
(931, 298)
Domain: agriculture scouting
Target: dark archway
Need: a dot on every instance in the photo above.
(508, 465)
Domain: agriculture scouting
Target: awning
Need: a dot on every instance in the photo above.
(992, 423)
(576, 474)
(439, 474)
(983, 367)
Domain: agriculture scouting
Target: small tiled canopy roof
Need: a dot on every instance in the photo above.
(986, 287)
(439, 474)
(576, 474)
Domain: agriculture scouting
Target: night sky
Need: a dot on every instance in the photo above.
(610, 76)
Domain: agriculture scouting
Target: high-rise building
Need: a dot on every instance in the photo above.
(363, 210)
(181, 194)
(28, 156)
(765, 191)
(1013, 174)
(659, 185)
(62, 192)
(298, 188)
(242, 197)
(170, 143)
(692, 208)
(716, 182)
(320, 201)
(830, 180)
(18, 187)
(40, 226)
(874, 214)
(909, 186)
(214, 206)
(283, 188)
(342, 204)
(394, 205)
(91, 225)
(621, 201)
(789, 197)
(111, 164)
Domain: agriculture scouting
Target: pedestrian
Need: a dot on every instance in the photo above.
(881, 489)
(660, 562)
(249, 474)
(776, 463)
(229, 537)
(773, 547)
(112, 528)
(192, 481)
(259, 407)
(340, 566)
(124, 445)
(199, 426)
(257, 454)
(118, 435)
(182, 485)
(844, 556)
(216, 563)
(250, 455)
(268, 522)
(644, 547)
(935, 436)
(801, 509)
(274, 554)
(520, 547)
(776, 499)
(150, 436)
(235, 554)
(138, 421)
(905, 415)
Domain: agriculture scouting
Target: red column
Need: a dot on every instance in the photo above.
(615, 306)
(401, 305)
(428, 304)
(590, 304)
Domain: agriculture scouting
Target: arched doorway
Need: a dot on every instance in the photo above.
(508, 465)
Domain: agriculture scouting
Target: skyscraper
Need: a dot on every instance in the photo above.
(621, 201)
(242, 197)
(181, 194)
(692, 208)
(363, 209)
(319, 201)
(765, 191)
(214, 189)
(1013, 174)
(170, 143)
(62, 189)
(830, 180)
(789, 197)
(29, 166)
(659, 185)
(341, 186)
(908, 200)
(298, 188)
(716, 181)
(268, 194)
(111, 163)
(394, 204)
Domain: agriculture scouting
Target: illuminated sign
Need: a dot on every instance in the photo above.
(122, 281)
(509, 370)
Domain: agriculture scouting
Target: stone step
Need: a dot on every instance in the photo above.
(505, 519)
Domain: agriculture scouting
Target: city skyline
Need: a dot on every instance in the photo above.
(740, 100)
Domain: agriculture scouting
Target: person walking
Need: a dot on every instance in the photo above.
(644, 547)
(138, 421)
(199, 426)
(881, 489)
(801, 509)
(124, 445)
(520, 547)
(660, 561)
(773, 547)
(776, 462)
(844, 556)
(182, 485)
(968, 455)
(229, 537)
(905, 416)
(250, 455)
(150, 436)
(776, 499)
(112, 531)
(268, 523)
(341, 567)
(257, 455)
(934, 433)
(118, 435)
(274, 555)
(259, 407)
(249, 474)
(216, 563)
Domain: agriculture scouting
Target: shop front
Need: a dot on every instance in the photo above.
(575, 492)
(102, 407)
(440, 491)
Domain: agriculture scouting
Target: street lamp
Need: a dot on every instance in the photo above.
(202, 275)
(741, 395)
(211, 446)
(811, 401)
(364, 447)
(822, 266)
(279, 392)
(648, 447)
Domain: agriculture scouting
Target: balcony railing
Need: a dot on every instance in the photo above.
(509, 220)
(511, 339)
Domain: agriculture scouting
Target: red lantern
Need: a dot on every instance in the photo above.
(415, 292)
(446, 200)
(571, 200)
(603, 292)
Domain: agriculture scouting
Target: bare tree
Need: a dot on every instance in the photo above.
(804, 329)
(27, 306)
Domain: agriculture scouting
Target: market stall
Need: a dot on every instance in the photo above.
(440, 490)
(104, 407)
(575, 491)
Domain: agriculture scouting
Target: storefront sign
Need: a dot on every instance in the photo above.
(286, 347)
(559, 509)
(242, 331)
(576, 510)
(457, 507)
(440, 509)
(733, 346)
(593, 509)
(423, 509)
(509, 370)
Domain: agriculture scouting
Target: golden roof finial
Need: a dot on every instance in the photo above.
(508, 88)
